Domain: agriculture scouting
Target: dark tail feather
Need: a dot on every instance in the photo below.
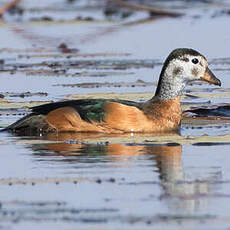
(21, 123)
(32, 124)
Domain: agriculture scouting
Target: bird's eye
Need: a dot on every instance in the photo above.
(195, 60)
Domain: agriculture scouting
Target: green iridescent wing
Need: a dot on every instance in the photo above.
(88, 109)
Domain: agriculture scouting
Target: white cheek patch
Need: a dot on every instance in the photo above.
(178, 72)
(186, 69)
(178, 68)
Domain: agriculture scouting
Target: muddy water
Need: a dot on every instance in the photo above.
(123, 182)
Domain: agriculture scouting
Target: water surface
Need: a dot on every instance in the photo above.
(127, 182)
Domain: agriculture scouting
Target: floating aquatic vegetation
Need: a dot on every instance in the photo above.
(218, 111)
(138, 83)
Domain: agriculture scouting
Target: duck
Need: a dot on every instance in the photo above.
(161, 113)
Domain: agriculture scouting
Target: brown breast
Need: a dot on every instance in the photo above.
(154, 117)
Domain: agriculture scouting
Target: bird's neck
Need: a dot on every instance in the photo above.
(169, 86)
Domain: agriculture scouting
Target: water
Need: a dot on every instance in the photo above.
(87, 181)
(118, 185)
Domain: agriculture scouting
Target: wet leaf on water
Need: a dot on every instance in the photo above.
(218, 111)
(72, 55)
(63, 48)
(13, 181)
(64, 73)
(138, 83)
(4, 104)
(40, 19)
(24, 94)
(139, 96)
(30, 50)
(212, 95)
(59, 67)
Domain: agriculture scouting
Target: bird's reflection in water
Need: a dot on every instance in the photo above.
(182, 195)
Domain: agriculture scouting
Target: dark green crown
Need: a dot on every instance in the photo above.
(180, 53)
